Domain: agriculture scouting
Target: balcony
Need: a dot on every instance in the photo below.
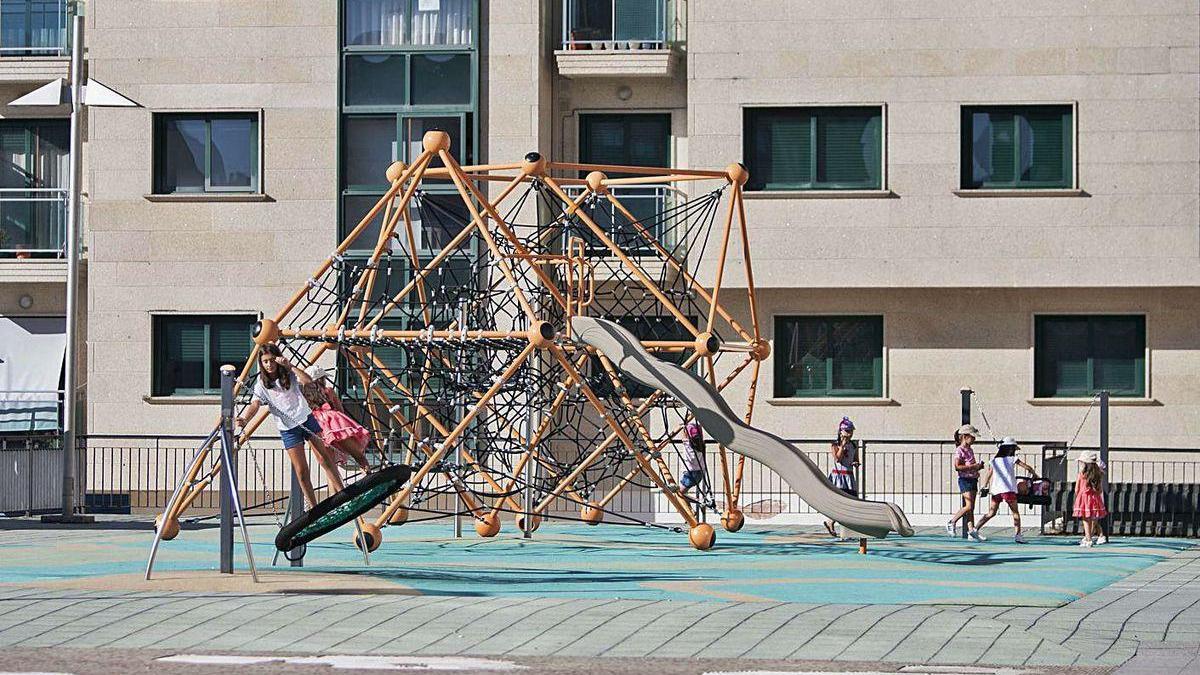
(610, 38)
(34, 40)
(33, 223)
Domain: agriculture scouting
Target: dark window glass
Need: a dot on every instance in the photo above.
(828, 356)
(368, 147)
(816, 148)
(634, 139)
(190, 350)
(376, 79)
(215, 152)
(441, 79)
(33, 173)
(354, 209)
(409, 22)
(1077, 356)
(1017, 147)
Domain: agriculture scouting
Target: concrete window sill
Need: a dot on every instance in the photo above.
(1112, 401)
(210, 197)
(818, 194)
(1021, 193)
(182, 400)
(839, 401)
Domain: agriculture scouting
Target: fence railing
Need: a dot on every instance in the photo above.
(614, 24)
(136, 474)
(30, 473)
(33, 222)
(34, 28)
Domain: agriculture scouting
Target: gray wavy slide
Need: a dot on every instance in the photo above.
(859, 516)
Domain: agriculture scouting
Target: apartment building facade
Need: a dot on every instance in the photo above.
(999, 197)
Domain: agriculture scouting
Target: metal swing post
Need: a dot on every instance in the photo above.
(965, 394)
(231, 504)
(1106, 522)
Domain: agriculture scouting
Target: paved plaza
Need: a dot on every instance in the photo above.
(610, 594)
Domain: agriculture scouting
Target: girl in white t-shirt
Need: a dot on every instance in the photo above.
(278, 386)
(1001, 472)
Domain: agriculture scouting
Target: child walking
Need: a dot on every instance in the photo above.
(845, 459)
(278, 386)
(1001, 472)
(339, 431)
(967, 468)
(693, 458)
(1089, 502)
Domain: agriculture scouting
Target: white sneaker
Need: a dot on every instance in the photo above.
(950, 529)
(1101, 540)
(1019, 539)
(976, 536)
(1085, 542)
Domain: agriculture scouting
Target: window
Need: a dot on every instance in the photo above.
(33, 27)
(828, 356)
(1077, 356)
(1015, 147)
(597, 24)
(190, 350)
(33, 175)
(632, 139)
(814, 148)
(403, 23)
(206, 153)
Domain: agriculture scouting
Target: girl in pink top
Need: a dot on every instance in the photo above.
(1089, 503)
(338, 430)
(967, 468)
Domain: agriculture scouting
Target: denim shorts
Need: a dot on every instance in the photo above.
(968, 484)
(298, 434)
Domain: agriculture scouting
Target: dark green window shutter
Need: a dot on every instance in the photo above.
(188, 351)
(829, 356)
(857, 346)
(232, 341)
(1014, 147)
(1077, 356)
(779, 152)
(635, 139)
(848, 148)
(637, 20)
(800, 365)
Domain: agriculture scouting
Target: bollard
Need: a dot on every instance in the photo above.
(1106, 523)
(228, 475)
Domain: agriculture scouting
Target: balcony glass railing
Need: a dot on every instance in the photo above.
(650, 206)
(614, 24)
(33, 222)
(34, 28)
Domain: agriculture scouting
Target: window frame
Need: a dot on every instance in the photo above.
(880, 391)
(1144, 395)
(964, 146)
(158, 121)
(157, 320)
(816, 188)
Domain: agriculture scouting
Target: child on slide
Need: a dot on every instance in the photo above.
(347, 438)
(278, 386)
(1001, 472)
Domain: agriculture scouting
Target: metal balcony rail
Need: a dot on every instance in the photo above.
(648, 204)
(34, 28)
(33, 222)
(614, 24)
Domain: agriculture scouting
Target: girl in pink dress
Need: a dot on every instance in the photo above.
(1089, 503)
(338, 430)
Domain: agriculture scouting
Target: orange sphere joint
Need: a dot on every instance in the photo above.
(702, 536)
(534, 525)
(488, 525)
(541, 334)
(591, 513)
(371, 534)
(170, 531)
(733, 520)
(595, 182)
(534, 164)
(394, 171)
(707, 344)
(400, 516)
(435, 140)
(265, 331)
(760, 349)
(737, 173)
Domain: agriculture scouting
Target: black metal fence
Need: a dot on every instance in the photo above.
(1152, 487)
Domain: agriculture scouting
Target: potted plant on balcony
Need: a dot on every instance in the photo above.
(578, 40)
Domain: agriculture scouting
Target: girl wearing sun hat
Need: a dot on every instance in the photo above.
(845, 459)
(967, 468)
(1089, 502)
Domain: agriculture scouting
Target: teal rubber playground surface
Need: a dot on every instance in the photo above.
(783, 564)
